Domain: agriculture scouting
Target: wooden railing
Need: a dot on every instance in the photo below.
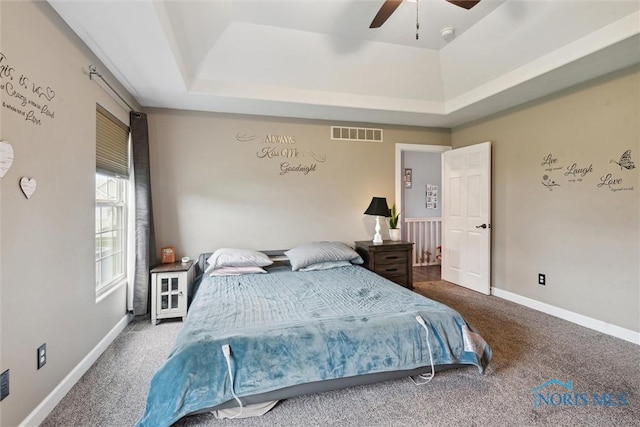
(426, 235)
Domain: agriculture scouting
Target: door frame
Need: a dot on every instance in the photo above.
(401, 148)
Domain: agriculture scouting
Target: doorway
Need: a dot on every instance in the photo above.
(420, 204)
(466, 211)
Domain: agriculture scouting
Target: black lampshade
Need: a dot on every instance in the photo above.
(378, 206)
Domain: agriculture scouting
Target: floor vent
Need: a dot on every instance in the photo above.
(341, 133)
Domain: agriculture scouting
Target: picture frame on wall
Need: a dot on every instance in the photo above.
(168, 255)
(431, 193)
(408, 177)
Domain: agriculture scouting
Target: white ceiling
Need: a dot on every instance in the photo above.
(319, 59)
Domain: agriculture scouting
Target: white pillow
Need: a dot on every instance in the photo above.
(230, 257)
(312, 253)
(237, 271)
(325, 265)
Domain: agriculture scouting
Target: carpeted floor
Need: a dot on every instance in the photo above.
(529, 349)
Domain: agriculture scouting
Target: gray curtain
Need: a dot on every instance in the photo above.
(145, 239)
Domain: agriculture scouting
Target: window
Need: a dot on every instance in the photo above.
(111, 239)
(112, 176)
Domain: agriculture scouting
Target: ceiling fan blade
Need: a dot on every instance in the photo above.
(467, 4)
(385, 12)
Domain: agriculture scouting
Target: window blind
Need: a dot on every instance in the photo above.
(112, 144)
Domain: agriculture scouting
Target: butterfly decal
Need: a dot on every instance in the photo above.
(625, 161)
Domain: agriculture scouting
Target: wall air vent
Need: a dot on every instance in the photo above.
(341, 133)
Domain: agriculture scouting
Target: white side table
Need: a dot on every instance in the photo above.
(170, 288)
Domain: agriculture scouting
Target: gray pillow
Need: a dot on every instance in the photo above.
(325, 265)
(232, 257)
(316, 252)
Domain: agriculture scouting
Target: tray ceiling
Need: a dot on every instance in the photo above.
(319, 59)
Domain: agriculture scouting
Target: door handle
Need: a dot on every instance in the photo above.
(483, 226)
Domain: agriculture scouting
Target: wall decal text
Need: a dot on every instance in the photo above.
(281, 147)
(26, 97)
(550, 163)
(286, 168)
(577, 173)
(613, 183)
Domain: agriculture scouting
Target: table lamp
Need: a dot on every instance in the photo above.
(378, 207)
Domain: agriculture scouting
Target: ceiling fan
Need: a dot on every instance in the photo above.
(389, 6)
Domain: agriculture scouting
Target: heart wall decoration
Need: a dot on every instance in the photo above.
(28, 186)
(6, 157)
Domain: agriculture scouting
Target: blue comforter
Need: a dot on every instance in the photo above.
(287, 328)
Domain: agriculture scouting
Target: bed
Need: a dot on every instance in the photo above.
(262, 337)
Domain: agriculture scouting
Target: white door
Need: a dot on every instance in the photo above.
(466, 227)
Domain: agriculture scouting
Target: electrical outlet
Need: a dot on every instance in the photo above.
(542, 279)
(4, 384)
(42, 355)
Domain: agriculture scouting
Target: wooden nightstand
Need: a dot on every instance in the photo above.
(170, 288)
(389, 259)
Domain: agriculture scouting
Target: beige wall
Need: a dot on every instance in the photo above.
(47, 242)
(585, 238)
(211, 191)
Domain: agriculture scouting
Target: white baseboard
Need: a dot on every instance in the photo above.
(38, 415)
(588, 322)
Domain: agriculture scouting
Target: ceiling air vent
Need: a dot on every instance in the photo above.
(341, 133)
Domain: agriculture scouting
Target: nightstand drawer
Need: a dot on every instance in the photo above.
(399, 258)
(391, 268)
(401, 279)
(395, 275)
